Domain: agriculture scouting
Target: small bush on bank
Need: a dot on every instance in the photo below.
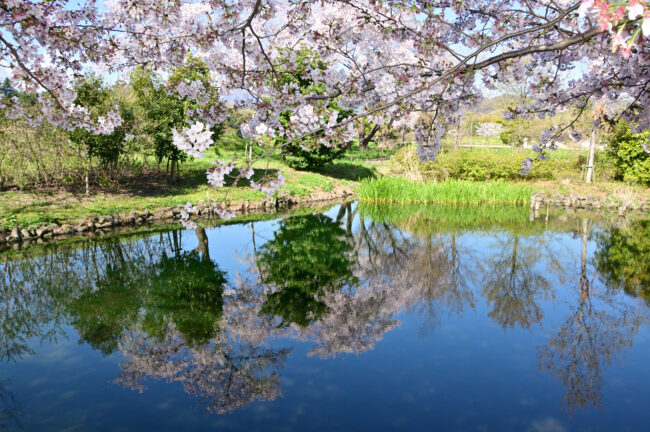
(480, 165)
(629, 160)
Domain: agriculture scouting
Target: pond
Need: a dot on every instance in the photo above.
(355, 317)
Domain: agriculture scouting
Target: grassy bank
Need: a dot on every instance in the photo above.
(154, 189)
(401, 191)
(471, 177)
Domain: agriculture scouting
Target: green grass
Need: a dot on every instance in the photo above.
(398, 190)
(371, 152)
(32, 208)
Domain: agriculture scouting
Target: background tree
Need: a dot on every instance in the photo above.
(163, 112)
(295, 69)
(489, 130)
(169, 105)
(106, 148)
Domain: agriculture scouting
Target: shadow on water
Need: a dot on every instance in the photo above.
(340, 281)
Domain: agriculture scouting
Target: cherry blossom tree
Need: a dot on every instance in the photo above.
(489, 130)
(384, 60)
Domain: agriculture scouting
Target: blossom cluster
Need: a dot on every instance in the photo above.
(270, 186)
(623, 20)
(105, 125)
(186, 213)
(489, 129)
(193, 90)
(223, 213)
(428, 140)
(194, 140)
(216, 175)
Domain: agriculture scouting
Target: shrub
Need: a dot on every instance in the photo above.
(514, 133)
(319, 155)
(625, 149)
(477, 166)
(166, 110)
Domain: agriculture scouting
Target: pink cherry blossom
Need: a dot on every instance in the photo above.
(382, 60)
(194, 140)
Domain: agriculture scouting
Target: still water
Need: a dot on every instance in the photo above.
(350, 318)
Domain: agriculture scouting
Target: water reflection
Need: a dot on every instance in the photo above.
(9, 410)
(514, 284)
(623, 258)
(340, 282)
(308, 257)
(598, 329)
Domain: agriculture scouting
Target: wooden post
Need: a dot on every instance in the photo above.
(590, 158)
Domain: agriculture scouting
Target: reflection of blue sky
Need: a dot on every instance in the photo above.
(466, 373)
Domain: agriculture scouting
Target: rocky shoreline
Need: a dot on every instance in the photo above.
(588, 202)
(100, 225)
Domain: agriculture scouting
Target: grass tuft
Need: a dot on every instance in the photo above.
(398, 190)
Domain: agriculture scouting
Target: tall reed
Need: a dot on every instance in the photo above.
(398, 190)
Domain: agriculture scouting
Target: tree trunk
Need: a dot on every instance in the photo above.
(457, 137)
(340, 214)
(590, 158)
(86, 180)
(174, 172)
(203, 247)
(363, 143)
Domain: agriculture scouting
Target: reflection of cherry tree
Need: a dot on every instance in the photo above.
(514, 285)
(591, 337)
(9, 410)
(438, 269)
(223, 374)
(304, 280)
(393, 272)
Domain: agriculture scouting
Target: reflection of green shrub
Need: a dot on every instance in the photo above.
(482, 165)
(101, 316)
(184, 289)
(308, 255)
(623, 258)
(188, 290)
(625, 149)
